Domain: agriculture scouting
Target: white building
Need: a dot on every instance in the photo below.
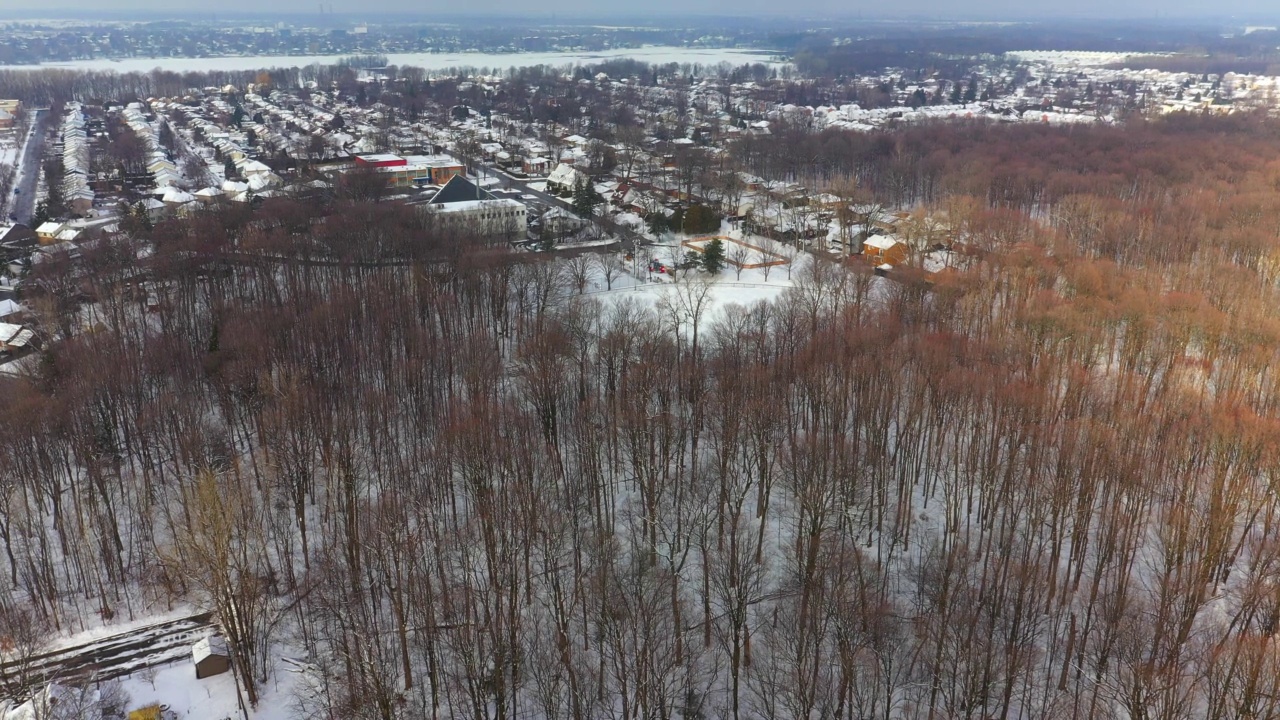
(502, 217)
(461, 204)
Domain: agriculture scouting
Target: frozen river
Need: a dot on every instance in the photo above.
(428, 61)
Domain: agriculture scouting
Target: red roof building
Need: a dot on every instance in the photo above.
(384, 160)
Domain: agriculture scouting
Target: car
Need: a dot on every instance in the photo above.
(17, 191)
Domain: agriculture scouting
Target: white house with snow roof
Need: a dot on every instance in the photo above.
(564, 179)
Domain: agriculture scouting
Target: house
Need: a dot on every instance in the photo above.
(167, 178)
(260, 182)
(48, 232)
(173, 197)
(209, 195)
(250, 168)
(211, 657)
(7, 120)
(80, 201)
(564, 179)
(884, 250)
(159, 164)
(15, 338)
(10, 309)
(155, 209)
(17, 236)
(558, 222)
(535, 165)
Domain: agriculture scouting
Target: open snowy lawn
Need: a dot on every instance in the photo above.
(729, 287)
(212, 698)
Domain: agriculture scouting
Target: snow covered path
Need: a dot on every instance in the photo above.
(115, 656)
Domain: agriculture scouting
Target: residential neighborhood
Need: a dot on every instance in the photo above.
(636, 156)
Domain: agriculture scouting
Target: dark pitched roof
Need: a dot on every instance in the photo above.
(17, 235)
(459, 189)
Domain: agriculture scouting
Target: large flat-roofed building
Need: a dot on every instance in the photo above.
(502, 217)
(461, 204)
(413, 170)
(383, 160)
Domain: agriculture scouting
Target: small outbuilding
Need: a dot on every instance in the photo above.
(150, 712)
(211, 657)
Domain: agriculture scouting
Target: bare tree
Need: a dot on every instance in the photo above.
(610, 266)
(25, 635)
(739, 255)
(222, 550)
(685, 305)
(578, 270)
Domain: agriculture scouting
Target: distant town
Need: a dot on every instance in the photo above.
(648, 142)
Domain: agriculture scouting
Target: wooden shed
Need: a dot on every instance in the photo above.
(211, 657)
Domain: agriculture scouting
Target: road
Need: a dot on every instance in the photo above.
(24, 203)
(111, 657)
(630, 238)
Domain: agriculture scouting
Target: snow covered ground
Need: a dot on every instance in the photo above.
(728, 287)
(429, 61)
(213, 698)
(8, 168)
(175, 688)
(8, 149)
(1079, 58)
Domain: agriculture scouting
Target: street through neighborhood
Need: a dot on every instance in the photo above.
(24, 201)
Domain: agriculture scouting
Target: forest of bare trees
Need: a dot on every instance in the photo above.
(1045, 487)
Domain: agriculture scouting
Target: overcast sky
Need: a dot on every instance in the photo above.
(989, 9)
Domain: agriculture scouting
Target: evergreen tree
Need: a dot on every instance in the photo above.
(658, 223)
(42, 214)
(136, 219)
(700, 219)
(585, 199)
(713, 257)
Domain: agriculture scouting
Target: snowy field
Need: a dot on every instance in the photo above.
(213, 698)
(427, 61)
(1079, 58)
(175, 688)
(729, 288)
(10, 150)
